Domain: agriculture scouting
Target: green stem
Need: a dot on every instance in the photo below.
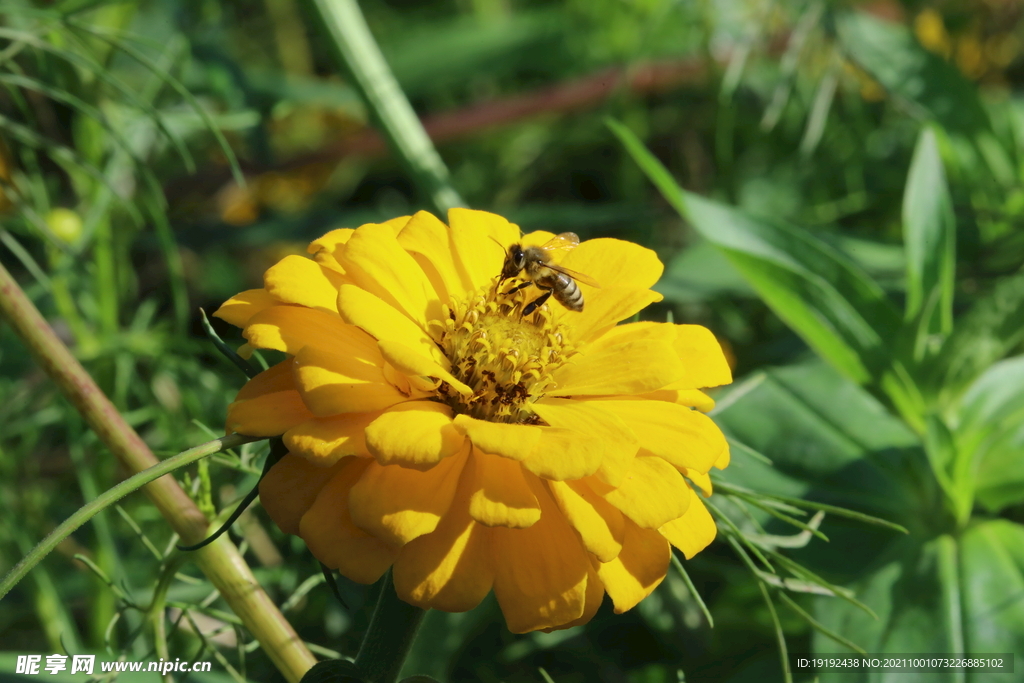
(372, 77)
(220, 561)
(390, 636)
(112, 495)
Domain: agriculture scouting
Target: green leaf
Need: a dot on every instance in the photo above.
(701, 272)
(924, 83)
(92, 67)
(988, 331)
(348, 33)
(990, 432)
(824, 297)
(929, 233)
(929, 88)
(821, 294)
(830, 442)
(950, 594)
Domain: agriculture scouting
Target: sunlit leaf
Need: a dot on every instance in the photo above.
(953, 594)
(929, 234)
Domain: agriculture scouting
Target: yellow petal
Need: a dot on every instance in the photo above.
(593, 599)
(692, 532)
(430, 242)
(375, 261)
(652, 494)
(290, 328)
(416, 434)
(298, 280)
(680, 435)
(501, 496)
(704, 362)
(638, 569)
(325, 440)
(323, 249)
(604, 308)
(289, 489)
(332, 383)
(397, 504)
(368, 312)
(615, 263)
(507, 440)
(330, 242)
(333, 539)
(451, 568)
(275, 379)
(701, 480)
(268, 404)
(540, 577)
(724, 458)
(694, 398)
(628, 359)
(414, 364)
(238, 309)
(581, 439)
(599, 523)
(474, 234)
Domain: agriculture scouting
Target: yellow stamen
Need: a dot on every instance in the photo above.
(505, 358)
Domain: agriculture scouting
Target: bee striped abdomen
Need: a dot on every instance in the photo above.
(567, 292)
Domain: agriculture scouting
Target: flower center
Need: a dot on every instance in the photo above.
(505, 358)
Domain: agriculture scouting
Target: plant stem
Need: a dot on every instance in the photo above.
(372, 77)
(111, 496)
(390, 636)
(220, 561)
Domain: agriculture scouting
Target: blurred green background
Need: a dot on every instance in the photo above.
(866, 178)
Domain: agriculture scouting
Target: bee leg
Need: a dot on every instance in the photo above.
(536, 303)
(521, 285)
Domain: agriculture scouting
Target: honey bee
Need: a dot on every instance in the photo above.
(535, 265)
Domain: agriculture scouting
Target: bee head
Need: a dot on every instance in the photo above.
(515, 261)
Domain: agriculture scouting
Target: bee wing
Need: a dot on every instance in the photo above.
(575, 275)
(563, 242)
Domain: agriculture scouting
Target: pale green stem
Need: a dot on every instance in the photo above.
(390, 636)
(220, 561)
(111, 496)
(372, 77)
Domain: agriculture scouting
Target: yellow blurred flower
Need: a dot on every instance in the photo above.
(434, 429)
(930, 30)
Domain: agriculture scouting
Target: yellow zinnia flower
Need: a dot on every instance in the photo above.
(433, 428)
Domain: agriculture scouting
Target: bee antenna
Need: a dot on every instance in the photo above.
(503, 248)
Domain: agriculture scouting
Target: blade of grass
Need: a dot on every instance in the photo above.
(739, 534)
(384, 98)
(799, 540)
(779, 635)
(818, 626)
(164, 75)
(61, 95)
(802, 572)
(226, 350)
(771, 510)
(693, 589)
(51, 608)
(744, 448)
(108, 498)
(26, 259)
(814, 505)
(60, 153)
(102, 74)
(221, 562)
